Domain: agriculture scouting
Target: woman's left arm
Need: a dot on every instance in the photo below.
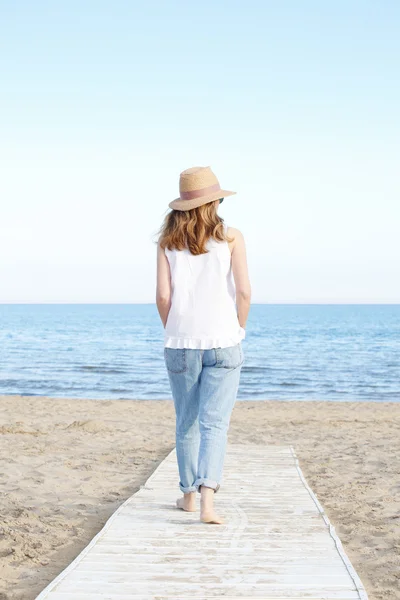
(163, 293)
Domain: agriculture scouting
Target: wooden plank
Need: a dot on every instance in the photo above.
(276, 544)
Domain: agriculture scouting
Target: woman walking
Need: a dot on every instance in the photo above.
(203, 297)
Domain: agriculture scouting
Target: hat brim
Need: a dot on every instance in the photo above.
(179, 204)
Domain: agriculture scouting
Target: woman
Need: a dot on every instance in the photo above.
(203, 297)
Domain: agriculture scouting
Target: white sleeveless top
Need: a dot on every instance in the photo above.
(203, 304)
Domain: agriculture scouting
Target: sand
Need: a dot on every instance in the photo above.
(66, 465)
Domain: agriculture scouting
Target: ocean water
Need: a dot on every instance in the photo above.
(292, 352)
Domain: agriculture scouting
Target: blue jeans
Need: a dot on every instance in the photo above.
(204, 385)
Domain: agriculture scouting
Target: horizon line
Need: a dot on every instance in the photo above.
(367, 303)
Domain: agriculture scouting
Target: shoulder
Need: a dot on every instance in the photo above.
(234, 233)
(161, 252)
(237, 236)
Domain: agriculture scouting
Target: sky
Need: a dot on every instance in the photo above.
(294, 105)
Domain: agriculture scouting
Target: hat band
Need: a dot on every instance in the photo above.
(199, 193)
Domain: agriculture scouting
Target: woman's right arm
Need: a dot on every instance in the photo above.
(241, 276)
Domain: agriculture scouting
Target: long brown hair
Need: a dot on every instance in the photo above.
(192, 228)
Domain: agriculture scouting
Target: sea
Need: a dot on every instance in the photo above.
(326, 352)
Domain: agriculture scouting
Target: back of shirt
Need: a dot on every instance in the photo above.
(203, 304)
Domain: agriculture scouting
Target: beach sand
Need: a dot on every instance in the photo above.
(66, 465)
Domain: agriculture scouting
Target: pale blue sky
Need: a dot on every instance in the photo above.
(294, 104)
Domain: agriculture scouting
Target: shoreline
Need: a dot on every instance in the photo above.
(280, 400)
(67, 464)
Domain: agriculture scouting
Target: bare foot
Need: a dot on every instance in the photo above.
(210, 516)
(207, 512)
(187, 502)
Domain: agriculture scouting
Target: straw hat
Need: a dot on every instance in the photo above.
(197, 186)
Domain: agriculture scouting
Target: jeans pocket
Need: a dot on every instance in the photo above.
(231, 357)
(175, 359)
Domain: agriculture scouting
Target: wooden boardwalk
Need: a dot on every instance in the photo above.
(277, 542)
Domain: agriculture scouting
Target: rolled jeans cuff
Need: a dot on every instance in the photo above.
(207, 483)
(187, 490)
